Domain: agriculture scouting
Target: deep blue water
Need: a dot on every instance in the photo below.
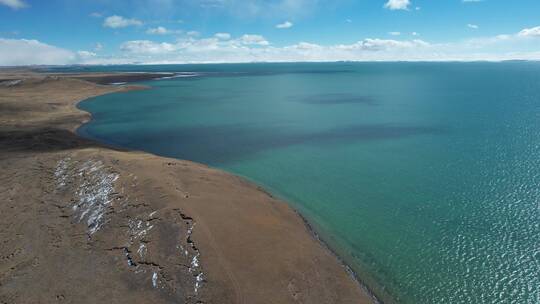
(425, 177)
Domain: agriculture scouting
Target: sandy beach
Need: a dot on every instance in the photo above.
(85, 223)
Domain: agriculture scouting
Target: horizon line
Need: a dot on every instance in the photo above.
(274, 62)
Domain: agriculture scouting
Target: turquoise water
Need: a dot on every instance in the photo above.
(425, 177)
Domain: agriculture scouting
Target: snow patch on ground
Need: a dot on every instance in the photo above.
(142, 250)
(199, 279)
(195, 267)
(138, 229)
(154, 279)
(94, 191)
(11, 83)
(61, 172)
(91, 186)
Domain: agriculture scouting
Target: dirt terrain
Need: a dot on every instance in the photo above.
(84, 223)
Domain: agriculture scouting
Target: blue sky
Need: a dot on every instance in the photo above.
(177, 31)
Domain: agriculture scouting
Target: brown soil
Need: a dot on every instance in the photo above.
(84, 223)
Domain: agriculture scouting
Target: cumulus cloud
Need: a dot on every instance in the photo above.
(520, 45)
(253, 40)
(223, 36)
(522, 36)
(394, 33)
(285, 25)
(250, 48)
(14, 4)
(377, 45)
(473, 26)
(398, 4)
(255, 48)
(221, 42)
(147, 47)
(160, 30)
(530, 32)
(32, 52)
(84, 55)
(222, 47)
(116, 21)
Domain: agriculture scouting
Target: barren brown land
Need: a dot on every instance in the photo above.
(84, 223)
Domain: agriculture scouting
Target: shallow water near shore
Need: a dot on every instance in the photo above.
(424, 177)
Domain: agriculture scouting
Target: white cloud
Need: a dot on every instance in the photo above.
(96, 15)
(415, 34)
(285, 25)
(84, 55)
(160, 30)
(397, 4)
(198, 50)
(221, 47)
(394, 33)
(14, 4)
(30, 52)
(255, 48)
(488, 41)
(147, 47)
(223, 36)
(116, 21)
(193, 33)
(249, 48)
(473, 26)
(377, 45)
(530, 32)
(522, 37)
(253, 40)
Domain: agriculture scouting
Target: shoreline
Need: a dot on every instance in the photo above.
(261, 188)
(315, 234)
(341, 260)
(216, 263)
